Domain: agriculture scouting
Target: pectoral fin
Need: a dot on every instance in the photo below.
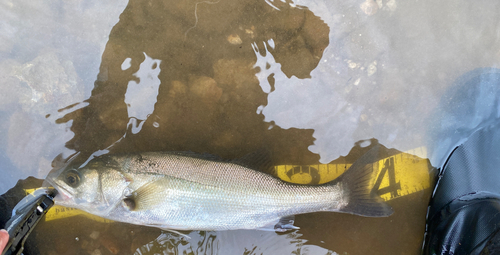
(146, 197)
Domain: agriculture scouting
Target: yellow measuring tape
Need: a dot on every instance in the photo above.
(59, 212)
(396, 176)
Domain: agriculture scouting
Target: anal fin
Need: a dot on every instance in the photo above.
(283, 225)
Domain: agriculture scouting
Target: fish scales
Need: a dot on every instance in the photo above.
(186, 191)
(227, 193)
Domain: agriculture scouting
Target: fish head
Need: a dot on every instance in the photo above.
(77, 187)
(93, 188)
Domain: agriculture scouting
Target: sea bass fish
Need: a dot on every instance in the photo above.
(187, 191)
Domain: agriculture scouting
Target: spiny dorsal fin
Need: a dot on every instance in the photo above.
(191, 154)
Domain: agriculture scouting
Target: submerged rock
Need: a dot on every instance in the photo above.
(206, 89)
(51, 84)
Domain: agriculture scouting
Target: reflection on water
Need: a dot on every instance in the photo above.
(223, 243)
(141, 97)
(306, 80)
(84, 236)
(49, 57)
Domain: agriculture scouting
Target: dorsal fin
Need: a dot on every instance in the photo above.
(191, 154)
(259, 160)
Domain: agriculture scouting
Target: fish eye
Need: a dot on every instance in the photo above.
(72, 178)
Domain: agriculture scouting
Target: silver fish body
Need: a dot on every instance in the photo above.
(184, 191)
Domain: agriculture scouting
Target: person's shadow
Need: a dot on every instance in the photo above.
(181, 75)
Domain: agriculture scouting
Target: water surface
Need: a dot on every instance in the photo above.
(310, 81)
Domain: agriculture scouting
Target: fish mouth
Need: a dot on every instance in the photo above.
(63, 193)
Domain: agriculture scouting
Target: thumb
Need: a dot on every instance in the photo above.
(4, 239)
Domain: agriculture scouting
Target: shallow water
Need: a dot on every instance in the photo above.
(310, 81)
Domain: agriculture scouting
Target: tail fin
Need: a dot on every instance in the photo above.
(356, 182)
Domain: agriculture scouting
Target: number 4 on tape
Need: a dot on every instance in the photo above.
(396, 176)
(402, 174)
(394, 186)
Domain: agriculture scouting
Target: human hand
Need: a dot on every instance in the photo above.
(4, 239)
